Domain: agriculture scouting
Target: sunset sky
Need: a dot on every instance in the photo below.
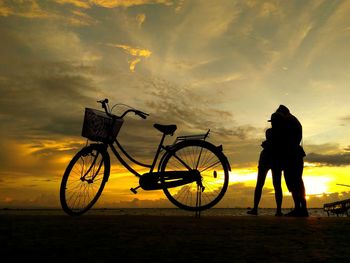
(221, 65)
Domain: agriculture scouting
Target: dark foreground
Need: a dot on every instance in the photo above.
(128, 238)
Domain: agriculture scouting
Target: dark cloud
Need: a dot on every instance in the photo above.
(327, 154)
(340, 159)
(45, 100)
(346, 118)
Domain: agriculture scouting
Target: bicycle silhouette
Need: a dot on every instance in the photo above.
(192, 172)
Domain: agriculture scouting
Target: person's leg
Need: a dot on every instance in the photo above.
(277, 184)
(262, 172)
(303, 196)
(301, 188)
(290, 178)
(296, 199)
(296, 186)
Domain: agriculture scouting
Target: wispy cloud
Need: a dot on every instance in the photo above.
(140, 19)
(31, 9)
(135, 53)
(129, 3)
(27, 9)
(76, 3)
(113, 3)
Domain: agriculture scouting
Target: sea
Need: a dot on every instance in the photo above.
(313, 212)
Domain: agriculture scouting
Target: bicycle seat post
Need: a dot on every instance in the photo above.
(157, 153)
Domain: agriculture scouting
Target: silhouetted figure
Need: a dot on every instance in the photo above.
(291, 155)
(267, 161)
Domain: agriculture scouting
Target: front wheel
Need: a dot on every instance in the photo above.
(213, 167)
(84, 179)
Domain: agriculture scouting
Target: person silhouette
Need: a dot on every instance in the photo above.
(268, 161)
(292, 153)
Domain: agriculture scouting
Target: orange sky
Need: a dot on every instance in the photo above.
(219, 65)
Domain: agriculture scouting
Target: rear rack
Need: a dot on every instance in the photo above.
(192, 137)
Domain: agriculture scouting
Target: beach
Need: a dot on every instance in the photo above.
(147, 238)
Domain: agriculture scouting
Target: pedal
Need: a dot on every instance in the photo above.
(134, 190)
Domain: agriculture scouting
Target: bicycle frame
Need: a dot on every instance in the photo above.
(159, 149)
(127, 166)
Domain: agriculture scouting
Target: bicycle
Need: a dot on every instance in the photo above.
(192, 172)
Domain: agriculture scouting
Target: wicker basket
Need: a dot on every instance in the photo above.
(98, 126)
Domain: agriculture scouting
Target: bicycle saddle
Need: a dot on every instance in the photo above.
(166, 129)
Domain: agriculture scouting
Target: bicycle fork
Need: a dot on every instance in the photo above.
(91, 180)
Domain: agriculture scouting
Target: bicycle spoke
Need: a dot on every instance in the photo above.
(211, 166)
(205, 158)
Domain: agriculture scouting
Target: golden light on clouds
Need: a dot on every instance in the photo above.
(128, 3)
(140, 19)
(26, 9)
(133, 63)
(112, 3)
(136, 53)
(77, 3)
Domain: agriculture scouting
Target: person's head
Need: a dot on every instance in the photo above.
(283, 109)
(277, 119)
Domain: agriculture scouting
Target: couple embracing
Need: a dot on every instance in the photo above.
(282, 152)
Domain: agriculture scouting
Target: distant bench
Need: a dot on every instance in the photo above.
(338, 208)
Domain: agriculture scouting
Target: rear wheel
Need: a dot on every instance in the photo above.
(212, 164)
(84, 179)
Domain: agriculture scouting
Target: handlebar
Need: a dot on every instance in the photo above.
(105, 106)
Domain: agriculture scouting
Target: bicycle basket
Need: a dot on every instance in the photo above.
(98, 126)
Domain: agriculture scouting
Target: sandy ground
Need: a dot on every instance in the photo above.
(105, 238)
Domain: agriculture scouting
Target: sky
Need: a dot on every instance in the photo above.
(221, 65)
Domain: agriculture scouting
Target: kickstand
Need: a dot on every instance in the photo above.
(198, 201)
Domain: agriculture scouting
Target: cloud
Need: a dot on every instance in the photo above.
(128, 3)
(340, 159)
(46, 86)
(136, 54)
(327, 154)
(268, 9)
(140, 19)
(26, 9)
(56, 89)
(31, 9)
(79, 18)
(195, 113)
(112, 3)
(212, 66)
(77, 3)
(346, 119)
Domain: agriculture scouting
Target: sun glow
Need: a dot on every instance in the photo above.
(317, 180)
(316, 185)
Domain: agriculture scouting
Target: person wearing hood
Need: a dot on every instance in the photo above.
(291, 155)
